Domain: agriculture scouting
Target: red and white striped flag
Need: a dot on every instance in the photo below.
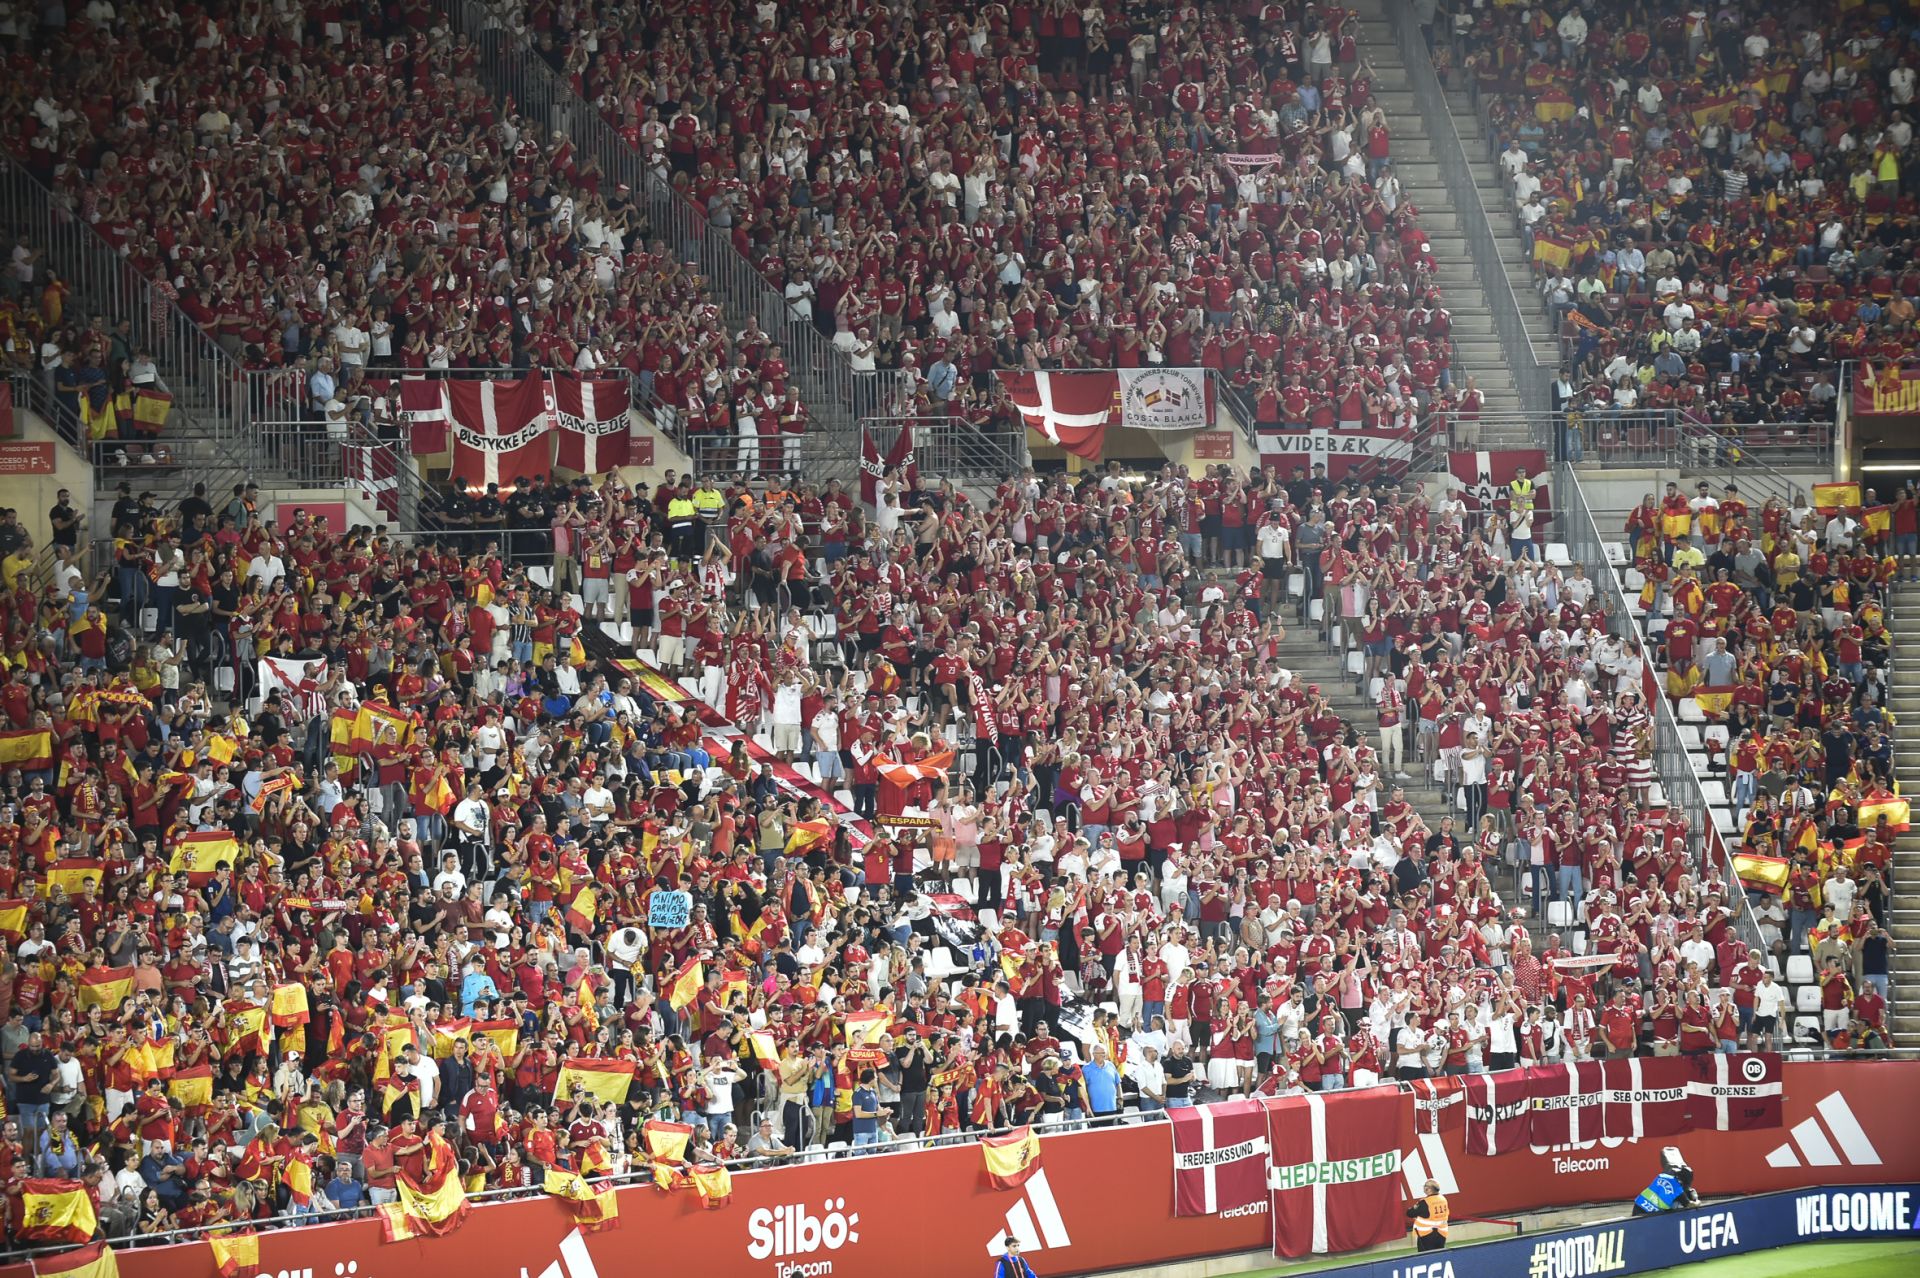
(590, 417)
(500, 431)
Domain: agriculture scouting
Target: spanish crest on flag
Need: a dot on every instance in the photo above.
(56, 1211)
(1011, 1158)
(604, 1080)
(106, 987)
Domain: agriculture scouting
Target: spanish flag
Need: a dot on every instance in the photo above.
(233, 1253)
(445, 1034)
(1011, 1158)
(96, 1261)
(439, 798)
(246, 1030)
(192, 1086)
(595, 1207)
(289, 1005)
(70, 874)
(1877, 519)
(106, 987)
(864, 1029)
(221, 749)
(601, 1079)
(666, 1142)
(381, 731)
(26, 750)
(1554, 251)
(13, 919)
(505, 1034)
(765, 1050)
(1714, 699)
(806, 835)
(297, 1175)
(340, 737)
(1896, 810)
(685, 985)
(56, 1211)
(1843, 496)
(436, 1204)
(199, 855)
(732, 982)
(715, 1185)
(1677, 524)
(1761, 873)
(582, 910)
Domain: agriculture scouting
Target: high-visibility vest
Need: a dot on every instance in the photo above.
(1434, 1219)
(1520, 494)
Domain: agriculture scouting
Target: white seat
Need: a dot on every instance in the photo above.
(1317, 610)
(1557, 553)
(1374, 687)
(1690, 711)
(1723, 820)
(618, 631)
(1631, 580)
(1296, 584)
(1800, 969)
(1715, 792)
(1689, 736)
(1806, 1000)
(940, 964)
(1714, 733)
(844, 798)
(1356, 661)
(1579, 942)
(1656, 795)
(541, 575)
(1616, 553)
(1656, 626)
(989, 921)
(1559, 914)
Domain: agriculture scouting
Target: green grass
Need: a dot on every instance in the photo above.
(1813, 1260)
(1807, 1260)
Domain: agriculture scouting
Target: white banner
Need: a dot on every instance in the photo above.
(298, 682)
(1338, 450)
(1165, 399)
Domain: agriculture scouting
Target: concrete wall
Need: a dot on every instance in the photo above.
(33, 495)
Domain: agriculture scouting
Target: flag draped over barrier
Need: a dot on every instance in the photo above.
(1219, 1157)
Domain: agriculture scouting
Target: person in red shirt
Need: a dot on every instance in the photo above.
(1619, 1025)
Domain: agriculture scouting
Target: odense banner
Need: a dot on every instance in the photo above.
(1100, 1200)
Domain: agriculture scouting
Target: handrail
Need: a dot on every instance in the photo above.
(1530, 377)
(952, 447)
(527, 83)
(1678, 775)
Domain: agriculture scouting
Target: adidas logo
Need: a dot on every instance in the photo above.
(1809, 1144)
(1033, 1222)
(574, 1262)
(1429, 1161)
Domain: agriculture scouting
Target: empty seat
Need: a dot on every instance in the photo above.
(1690, 711)
(1715, 792)
(1557, 553)
(1559, 914)
(1800, 969)
(1806, 999)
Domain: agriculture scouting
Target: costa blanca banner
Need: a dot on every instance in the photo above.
(1166, 398)
(932, 1213)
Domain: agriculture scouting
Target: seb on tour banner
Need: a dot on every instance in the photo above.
(1101, 1200)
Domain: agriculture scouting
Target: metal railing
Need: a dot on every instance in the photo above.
(1673, 762)
(523, 80)
(203, 377)
(954, 447)
(1531, 378)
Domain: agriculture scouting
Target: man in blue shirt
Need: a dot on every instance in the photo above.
(476, 985)
(866, 1111)
(165, 1171)
(343, 1191)
(1103, 1083)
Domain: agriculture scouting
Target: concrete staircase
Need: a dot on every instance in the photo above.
(1477, 350)
(1313, 661)
(1903, 921)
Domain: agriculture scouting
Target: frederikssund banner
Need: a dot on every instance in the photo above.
(1102, 1200)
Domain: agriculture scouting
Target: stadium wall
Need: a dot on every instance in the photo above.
(1101, 1200)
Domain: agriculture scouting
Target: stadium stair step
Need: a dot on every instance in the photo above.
(1903, 996)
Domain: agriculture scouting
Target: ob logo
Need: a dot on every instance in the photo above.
(1753, 1069)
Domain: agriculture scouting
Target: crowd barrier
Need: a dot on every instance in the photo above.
(1101, 1200)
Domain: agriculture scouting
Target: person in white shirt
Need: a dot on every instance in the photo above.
(786, 717)
(1769, 1005)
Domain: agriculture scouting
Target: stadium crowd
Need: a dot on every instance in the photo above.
(1183, 874)
(1719, 198)
(1178, 874)
(1775, 630)
(1043, 185)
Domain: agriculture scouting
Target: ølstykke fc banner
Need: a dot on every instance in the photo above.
(499, 430)
(1336, 1178)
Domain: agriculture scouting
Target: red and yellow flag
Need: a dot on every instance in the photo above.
(685, 985)
(56, 1211)
(582, 910)
(806, 835)
(71, 874)
(666, 1142)
(864, 1029)
(601, 1079)
(1895, 809)
(106, 987)
(1011, 1158)
(27, 750)
(765, 1050)
(436, 1204)
(1841, 496)
(714, 1184)
(505, 1034)
(13, 919)
(192, 1086)
(96, 1261)
(199, 855)
(1762, 873)
(1714, 699)
(234, 1253)
(595, 1207)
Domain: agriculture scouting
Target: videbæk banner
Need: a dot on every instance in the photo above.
(1368, 452)
(879, 1214)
